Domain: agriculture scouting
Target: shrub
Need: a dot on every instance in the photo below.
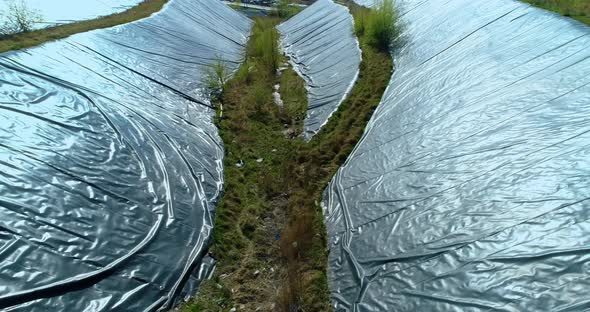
(18, 18)
(285, 9)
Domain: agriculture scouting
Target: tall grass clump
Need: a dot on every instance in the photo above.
(264, 45)
(379, 25)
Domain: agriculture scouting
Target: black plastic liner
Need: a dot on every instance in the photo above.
(470, 188)
(323, 50)
(110, 164)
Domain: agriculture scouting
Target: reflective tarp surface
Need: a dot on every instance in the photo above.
(55, 12)
(470, 188)
(110, 164)
(323, 50)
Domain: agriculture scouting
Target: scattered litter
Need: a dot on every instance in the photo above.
(277, 97)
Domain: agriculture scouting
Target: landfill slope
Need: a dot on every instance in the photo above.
(110, 164)
(469, 190)
(323, 50)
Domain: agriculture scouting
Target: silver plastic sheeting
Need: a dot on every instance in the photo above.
(110, 164)
(322, 48)
(56, 12)
(470, 188)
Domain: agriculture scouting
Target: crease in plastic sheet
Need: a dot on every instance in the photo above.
(110, 164)
(323, 50)
(470, 188)
(57, 12)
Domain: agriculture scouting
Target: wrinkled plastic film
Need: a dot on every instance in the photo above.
(469, 189)
(110, 164)
(323, 50)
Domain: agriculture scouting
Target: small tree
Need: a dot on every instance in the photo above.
(216, 77)
(18, 18)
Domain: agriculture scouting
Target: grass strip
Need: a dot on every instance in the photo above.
(251, 213)
(304, 244)
(576, 9)
(269, 237)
